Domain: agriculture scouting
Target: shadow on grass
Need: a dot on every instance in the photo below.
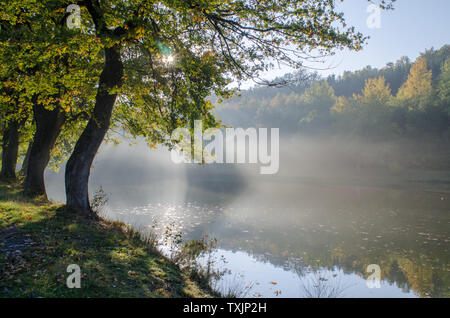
(13, 191)
(38, 243)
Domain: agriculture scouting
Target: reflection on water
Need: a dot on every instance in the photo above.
(289, 236)
(279, 244)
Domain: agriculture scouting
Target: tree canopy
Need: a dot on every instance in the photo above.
(147, 67)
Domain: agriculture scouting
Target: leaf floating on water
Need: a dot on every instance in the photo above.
(273, 283)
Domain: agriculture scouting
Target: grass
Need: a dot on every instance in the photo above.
(39, 240)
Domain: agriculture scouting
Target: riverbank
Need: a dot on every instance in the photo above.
(39, 240)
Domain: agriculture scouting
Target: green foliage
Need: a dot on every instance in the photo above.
(369, 114)
(435, 60)
(152, 64)
(317, 101)
(360, 103)
(52, 65)
(43, 63)
(444, 86)
(211, 43)
(395, 73)
(157, 98)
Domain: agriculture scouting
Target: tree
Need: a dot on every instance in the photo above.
(436, 59)
(10, 148)
(12, 122)
(353, 82)
(376, 92)
(13, 109)
(317, 101)
(416, 92)
(52, 73)
(241, 36)
(444, 86)
(396, 73)
(374, 108)
(225, 40)
(372, 112)
(439, 115)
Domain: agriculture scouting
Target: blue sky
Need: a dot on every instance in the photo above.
(414, 25)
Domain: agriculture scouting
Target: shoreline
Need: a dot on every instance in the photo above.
(40, 240)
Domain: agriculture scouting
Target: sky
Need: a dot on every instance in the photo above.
(409, 29)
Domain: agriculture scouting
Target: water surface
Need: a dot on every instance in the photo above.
(293, 234)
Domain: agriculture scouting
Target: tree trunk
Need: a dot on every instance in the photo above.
(26, 160)
(10, 150)
(79, 165)
(48, 128)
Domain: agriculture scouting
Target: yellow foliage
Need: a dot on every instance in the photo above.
(377, 91)
(417, 89)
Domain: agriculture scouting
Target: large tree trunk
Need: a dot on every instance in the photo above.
(79, 165)
(48, 128)
(10, 150)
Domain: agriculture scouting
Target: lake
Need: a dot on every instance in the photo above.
(309, 231)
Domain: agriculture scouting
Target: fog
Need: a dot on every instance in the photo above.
(145, 174)
(335, 206)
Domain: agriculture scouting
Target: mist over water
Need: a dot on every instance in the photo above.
(334, 207)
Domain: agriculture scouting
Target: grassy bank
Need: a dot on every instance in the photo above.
(39, 240)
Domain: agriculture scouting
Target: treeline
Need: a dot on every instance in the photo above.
(402, 99)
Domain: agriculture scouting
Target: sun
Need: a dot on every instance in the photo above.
(168, 59)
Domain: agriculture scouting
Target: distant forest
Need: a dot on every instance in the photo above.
(403, 99)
